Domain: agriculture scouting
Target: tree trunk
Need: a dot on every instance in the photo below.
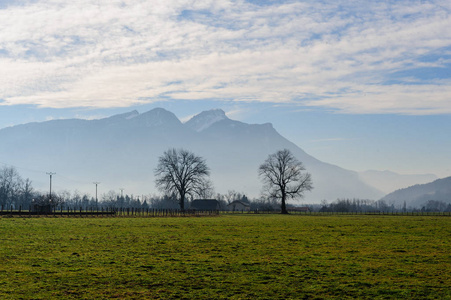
(283, 206)
(182, 201)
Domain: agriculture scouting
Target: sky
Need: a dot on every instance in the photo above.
(360, 84)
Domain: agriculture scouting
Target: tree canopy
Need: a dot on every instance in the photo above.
(283, 177)
(182, 172)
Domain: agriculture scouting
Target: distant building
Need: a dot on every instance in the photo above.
(299, 209)
(205, 204)
(238, 206)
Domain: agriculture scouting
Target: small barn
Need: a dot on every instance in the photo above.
(238, 206)
(205, 204)
(304, 209)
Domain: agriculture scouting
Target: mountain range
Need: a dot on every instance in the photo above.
(419, 194)
(122, 151)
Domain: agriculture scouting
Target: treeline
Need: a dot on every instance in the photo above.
(112, 199)
(18, 193)
(14, 190)
(365, 205)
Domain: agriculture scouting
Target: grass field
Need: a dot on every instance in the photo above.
(233, 256)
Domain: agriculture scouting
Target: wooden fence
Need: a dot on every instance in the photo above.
(334, 213)
(149, 212)
(106, 212)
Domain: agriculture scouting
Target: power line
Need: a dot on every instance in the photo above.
(42, 172)
(72, 180)
(21, 168)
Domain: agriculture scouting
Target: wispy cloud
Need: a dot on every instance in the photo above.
(236, 112)
(333, 54)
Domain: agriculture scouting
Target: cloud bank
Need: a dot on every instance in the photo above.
(346, 56)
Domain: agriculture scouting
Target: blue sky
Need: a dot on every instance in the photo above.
(361, 84)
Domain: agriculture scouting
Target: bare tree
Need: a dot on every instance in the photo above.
(206, 190)
(26, 193)
(231, 196)
(10, 185)
(65, 197)
(283, 178)
(110, 198)
(181, 172)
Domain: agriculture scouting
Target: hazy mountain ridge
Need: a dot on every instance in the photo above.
(388, 181)
(122, 151)
(417, 195)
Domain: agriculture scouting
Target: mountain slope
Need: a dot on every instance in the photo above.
(417, 195)
(243, 147)
(122, 151)
(388, 182)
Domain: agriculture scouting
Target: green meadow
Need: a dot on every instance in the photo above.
(226, 257)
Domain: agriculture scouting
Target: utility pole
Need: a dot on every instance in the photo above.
(50, 174)
(97, 202)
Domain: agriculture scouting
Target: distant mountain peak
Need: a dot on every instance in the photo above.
(158, 117)
(205, 119)
(121, 150)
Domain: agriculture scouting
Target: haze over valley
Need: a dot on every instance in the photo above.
(121, 151)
